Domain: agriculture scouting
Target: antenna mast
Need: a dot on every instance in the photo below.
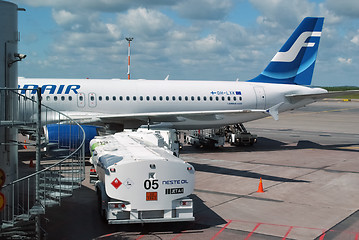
(129, 39)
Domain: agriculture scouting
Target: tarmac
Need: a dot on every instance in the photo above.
(309, 164)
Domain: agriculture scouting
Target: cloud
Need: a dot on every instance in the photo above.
(96, 5)
(63, 17)
(345, 60)
(282, 12)
(92, 45)
(330, 16)
(204, 9)
(347, 8)
(85, 40)
(74, 21)
(145, 23)
(207, 45)
(355, 39)
(233, 33)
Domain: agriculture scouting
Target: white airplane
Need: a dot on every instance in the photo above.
(193, 104)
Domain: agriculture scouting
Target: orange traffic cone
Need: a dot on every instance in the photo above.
(260, 187)
(31, 165)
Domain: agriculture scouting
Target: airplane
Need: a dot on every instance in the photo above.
(187, 104)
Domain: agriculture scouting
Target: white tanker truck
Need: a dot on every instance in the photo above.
(140, 182)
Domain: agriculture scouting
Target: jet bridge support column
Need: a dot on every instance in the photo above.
(9, 38)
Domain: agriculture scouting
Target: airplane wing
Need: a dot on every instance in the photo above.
(316, 96)
(179, 116)
(194, 115)
(151, 117)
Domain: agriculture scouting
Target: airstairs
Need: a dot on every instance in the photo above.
(53, 177)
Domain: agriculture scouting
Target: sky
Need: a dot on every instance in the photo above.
(188, 39)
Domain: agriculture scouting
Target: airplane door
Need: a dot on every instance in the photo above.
(92, 100)
(81, 100)
(261, 97)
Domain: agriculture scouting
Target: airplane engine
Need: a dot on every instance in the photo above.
(69, 136)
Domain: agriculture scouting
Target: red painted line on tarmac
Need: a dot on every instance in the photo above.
(322, 236)
(286, 235)
(140, 237)
(281, 225)
(255, 228)
(178, 235)
(222, 229)
(184, 231)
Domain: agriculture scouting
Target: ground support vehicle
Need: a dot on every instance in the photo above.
(239, 136)
(140, 182)
(206, 138)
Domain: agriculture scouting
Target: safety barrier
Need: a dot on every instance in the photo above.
(59, 170)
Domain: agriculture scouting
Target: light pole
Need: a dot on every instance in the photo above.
(129, 39)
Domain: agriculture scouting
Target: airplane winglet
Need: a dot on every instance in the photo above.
(273, 111)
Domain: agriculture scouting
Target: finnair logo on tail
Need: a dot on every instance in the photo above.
(292, 53)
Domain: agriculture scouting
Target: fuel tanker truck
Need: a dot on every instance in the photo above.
(140, 180)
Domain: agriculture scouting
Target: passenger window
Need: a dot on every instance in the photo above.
(161, 98)
(148, 98)
(121, 98)
(240, 98)
(186, 98)
(229, 98)
(48, 98)
(92, 98)
(114, 98)
(134, 98)
(154, 98)
(217, 98)
(192, 98)
(204, 98)
(55, 98)
(234, 98)
(210, 98)
(173, 98)
(141, 98)
(107, 98)
(62, 98)
(100, 98)
(180, 98)
(222, 98)
(70, 98)
(199, 98)
(167, 98)
(128, 98)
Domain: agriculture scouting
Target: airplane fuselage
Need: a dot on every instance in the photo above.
(116, 97)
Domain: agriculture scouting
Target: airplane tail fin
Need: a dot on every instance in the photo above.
(294, 63)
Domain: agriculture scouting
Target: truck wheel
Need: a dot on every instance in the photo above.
(99, 202)
(101, 211)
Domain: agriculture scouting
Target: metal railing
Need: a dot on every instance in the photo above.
(58, 173)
